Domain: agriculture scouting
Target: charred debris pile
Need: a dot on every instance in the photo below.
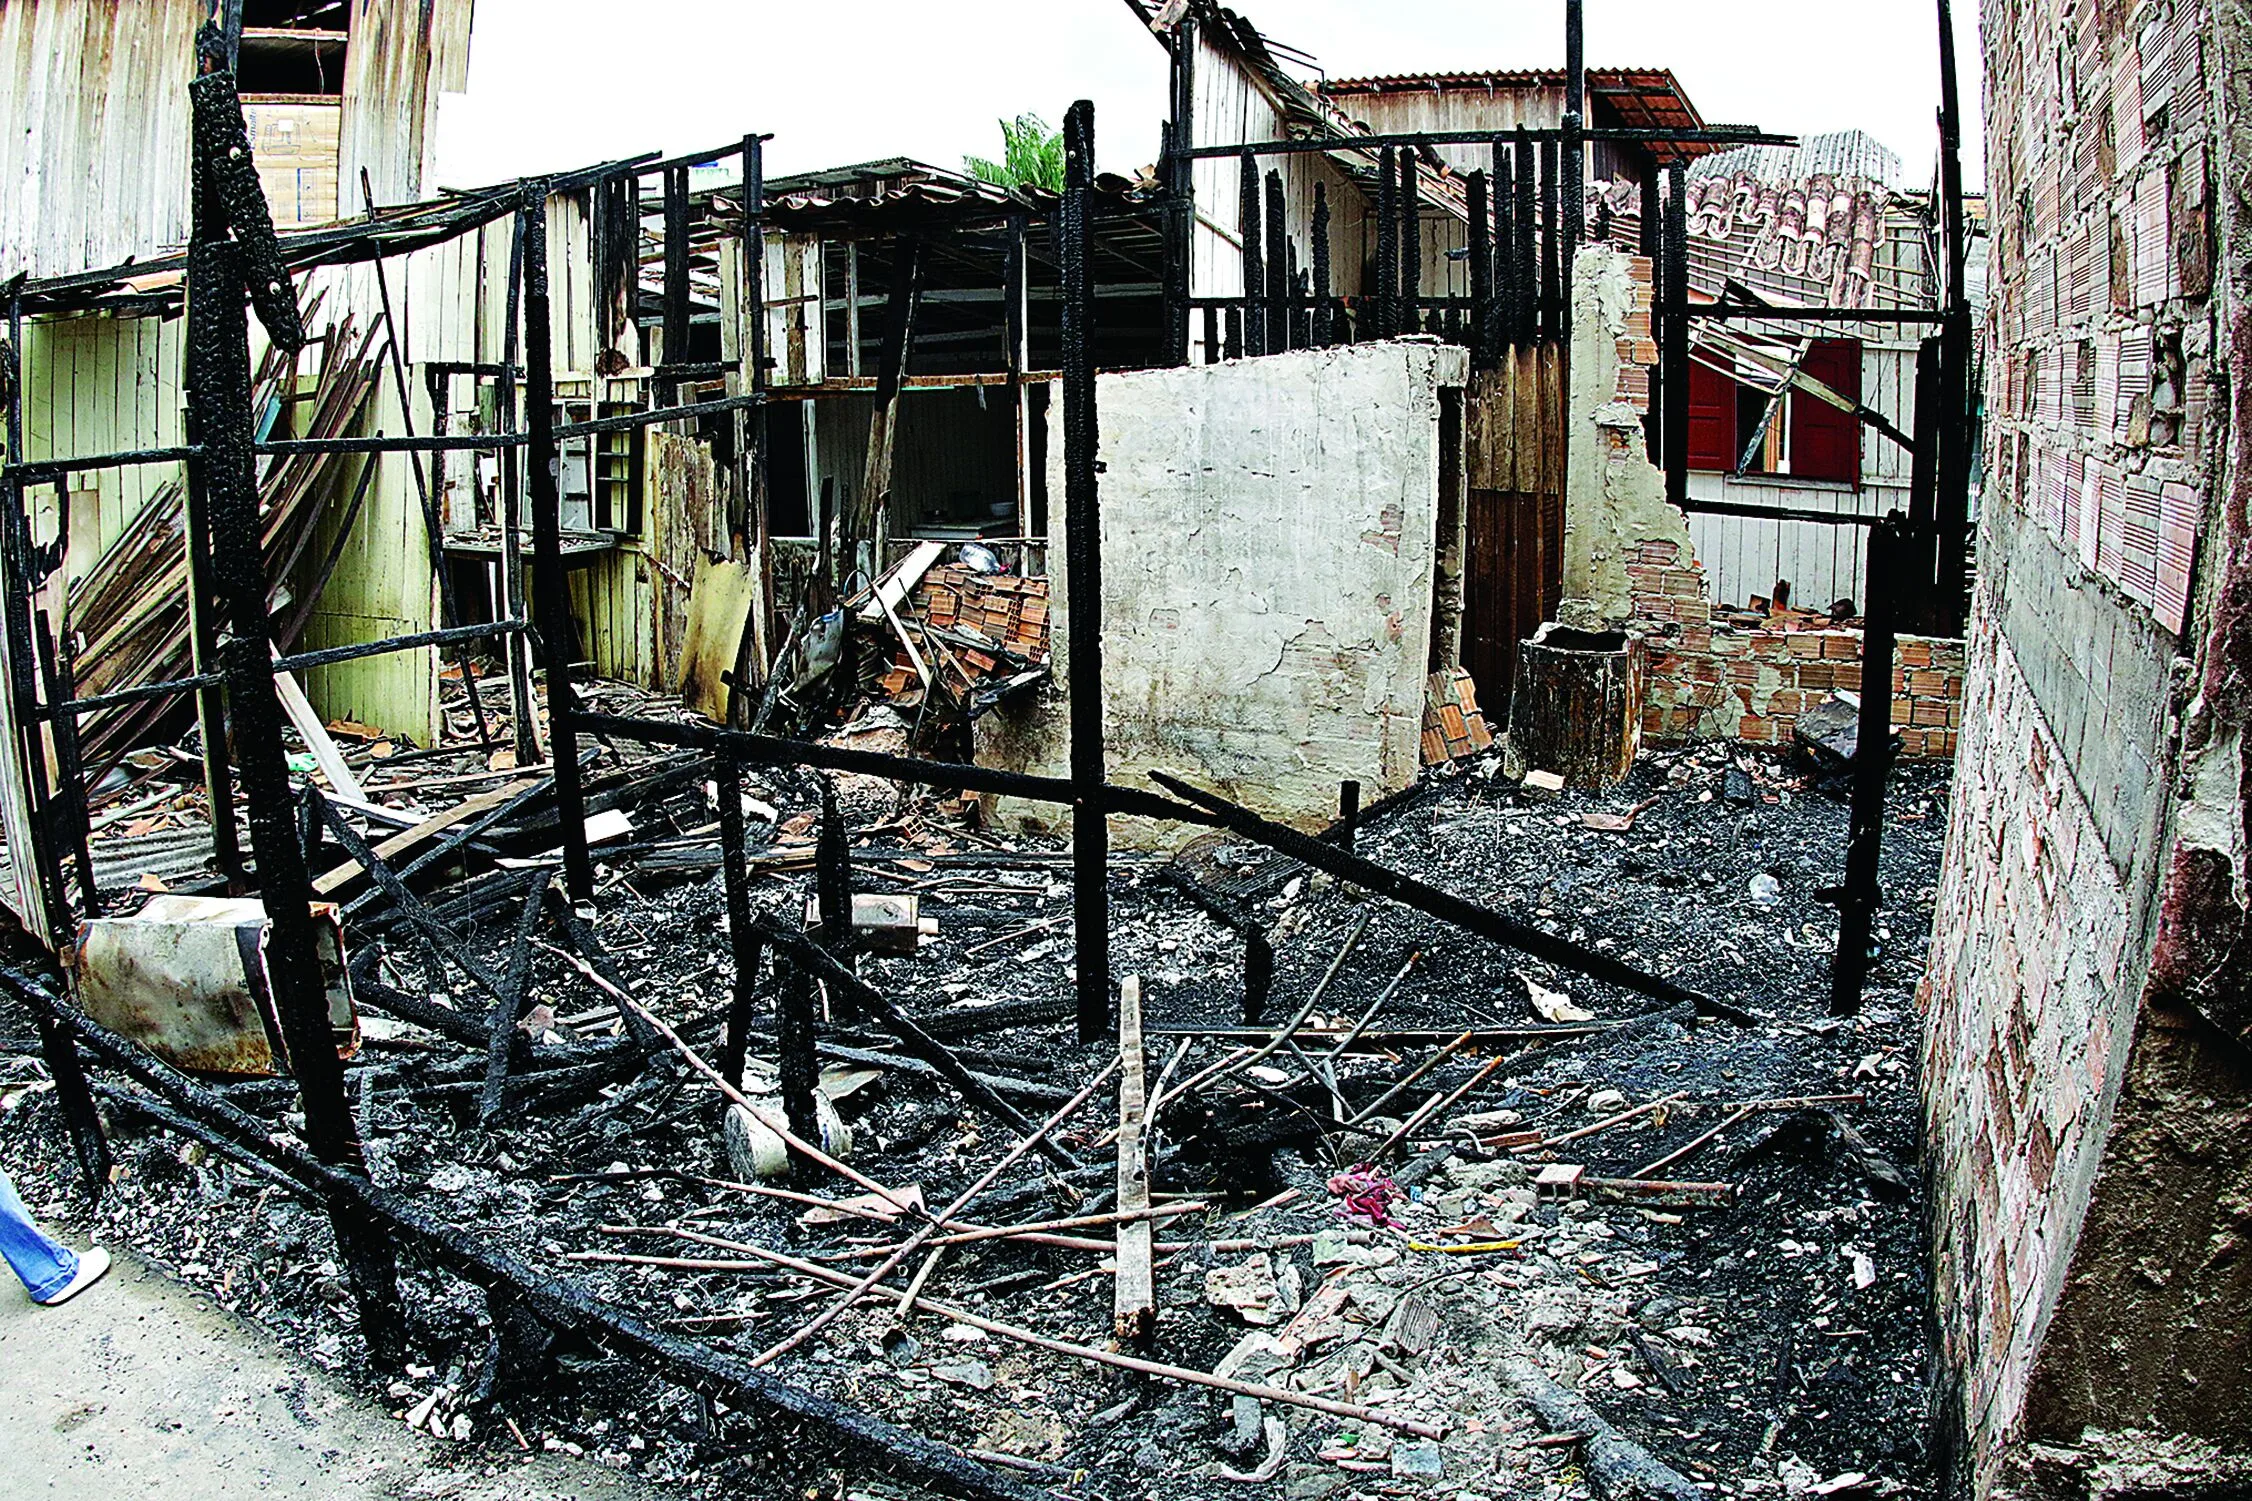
(1351, 1200)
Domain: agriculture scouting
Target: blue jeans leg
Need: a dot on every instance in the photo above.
(44, 1267)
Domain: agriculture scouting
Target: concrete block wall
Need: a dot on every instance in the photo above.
(1713, 679)
(2087, 1068)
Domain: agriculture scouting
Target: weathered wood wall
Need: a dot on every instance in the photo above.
(1513, 552)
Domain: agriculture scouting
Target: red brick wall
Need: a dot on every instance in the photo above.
(1712, 679)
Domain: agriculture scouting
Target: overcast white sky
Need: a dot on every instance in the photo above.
(555, 84)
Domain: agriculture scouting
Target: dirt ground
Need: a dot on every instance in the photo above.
(140, 1388)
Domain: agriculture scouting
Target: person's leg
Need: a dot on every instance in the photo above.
(44, 1267)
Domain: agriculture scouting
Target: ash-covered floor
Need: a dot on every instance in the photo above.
(1774, 1344)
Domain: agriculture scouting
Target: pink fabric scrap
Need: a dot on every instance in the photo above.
(1368, 1194)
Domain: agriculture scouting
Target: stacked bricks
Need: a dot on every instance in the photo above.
(1007, 613)
(1714, 678)
(1453, 725)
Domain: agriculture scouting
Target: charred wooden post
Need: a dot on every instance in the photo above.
(512, 504)
(1481, 275)
(1180, 240)
(505, 1040)
(742, 940)
(1322, 328)
(1501, 314)
(1234, 347)
(233, 257)
(1576, 706)
(1572, 158)
(1651, 235)
(1348, 814)
(80, 1118)
(1527, 235)
(1862, 893)
(1278, 268)
(1551, 243)
(1673, 353)
(1410, 317)
(1249, 220)
(676, 310)
(832, 866)
(797, 1018)
(754, 533)
(1212, 348)
(553, 606)
(1952, 499)
(1090, 833)
(1258, 973)
(1387, 242)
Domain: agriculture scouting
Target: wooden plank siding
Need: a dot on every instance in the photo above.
(1513, 564)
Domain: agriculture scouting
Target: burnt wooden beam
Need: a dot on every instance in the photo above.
(233, 257)
(1481, 274)
(1862, 893)
(1249, 221)
(1387, 242)
(1527, 233)
(678, 312)
(1278, 268)
(1409, 319)
(742, 939)
(1322, 331)
(861, 517)
(1572, 154)
(1674, 351)
(1090, 829)
(1551, 246)
(552, 606)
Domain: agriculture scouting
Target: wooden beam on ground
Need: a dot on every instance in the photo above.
(343, 875)
(1134, 1305)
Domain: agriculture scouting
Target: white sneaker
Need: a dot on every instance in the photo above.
(93, 1265)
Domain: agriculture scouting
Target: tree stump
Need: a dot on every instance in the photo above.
(1576, 706)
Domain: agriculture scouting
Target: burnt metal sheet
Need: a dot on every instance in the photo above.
(186, 978)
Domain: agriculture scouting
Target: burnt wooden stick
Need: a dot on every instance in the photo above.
(1134, 1295)
(1552, 269)
(1387, 242)
(1348, 813)
(1277, 268)
(832, 869)
(1322, 328)
(1258, 973)
(68, 1071)
(1411, 245)
(1527, 234)
(1447, 907)
(1250, 225)
(1212, 347)
(931, 1227)
(795, 1054)
(823, 967)
(516, 985)
(727, 778)
(1481, 273)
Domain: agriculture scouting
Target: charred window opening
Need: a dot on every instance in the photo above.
(293, 49)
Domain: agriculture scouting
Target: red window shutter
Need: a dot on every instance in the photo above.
(1712, 413)
(1825, 442)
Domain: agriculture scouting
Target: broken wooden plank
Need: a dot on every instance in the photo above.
(398, 844)
(317, 738)
(1134, 1300)
(892, 589)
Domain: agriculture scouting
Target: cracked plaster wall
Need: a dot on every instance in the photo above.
(1614, 497)
(1270, 550)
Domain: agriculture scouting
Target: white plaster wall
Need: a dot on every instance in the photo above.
(1270, 532)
